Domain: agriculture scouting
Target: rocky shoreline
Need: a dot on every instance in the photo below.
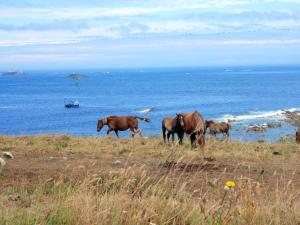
(292, 118)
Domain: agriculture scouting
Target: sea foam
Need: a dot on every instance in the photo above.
(275, 114)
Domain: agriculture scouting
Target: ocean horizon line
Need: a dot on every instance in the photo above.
(74, 69)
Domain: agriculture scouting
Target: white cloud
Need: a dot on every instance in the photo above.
(121, 27)
(101, 12)
(18, 43)
(254, 42)
(76, 13)
(195, 42)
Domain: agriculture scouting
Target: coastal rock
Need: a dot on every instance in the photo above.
(8, 155)
(292, 117)
(256, 128)
(273, 125)
(233, 120)
(2, 162)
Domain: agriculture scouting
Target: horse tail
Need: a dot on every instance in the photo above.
(143, 118)
(200, 126)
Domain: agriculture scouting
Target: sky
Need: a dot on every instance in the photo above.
(70, 34)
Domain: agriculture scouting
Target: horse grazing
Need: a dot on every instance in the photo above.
(121, 123)
(193, 124)
(171, 126)
(298, 136)
(216, 128)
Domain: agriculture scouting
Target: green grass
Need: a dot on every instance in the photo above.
(154, 183)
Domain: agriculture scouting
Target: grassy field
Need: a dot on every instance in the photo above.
(72, 180)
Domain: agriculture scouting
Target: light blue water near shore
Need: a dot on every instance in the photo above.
(34, 104)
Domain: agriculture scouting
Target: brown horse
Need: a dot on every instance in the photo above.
(216, 128)
(193, 124)
(170, 124)
(121, 123)
(298, 136)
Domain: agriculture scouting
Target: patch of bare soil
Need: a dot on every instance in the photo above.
(29, 170)
(205, 165)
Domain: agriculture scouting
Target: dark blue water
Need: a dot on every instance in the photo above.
(34, 103)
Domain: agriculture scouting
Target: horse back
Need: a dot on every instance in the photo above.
(224, 126)
(167, 123)
(122, 122)
(193, 121)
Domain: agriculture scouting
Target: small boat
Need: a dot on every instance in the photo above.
(72, 104)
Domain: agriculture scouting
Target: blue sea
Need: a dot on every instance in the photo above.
(34, 103)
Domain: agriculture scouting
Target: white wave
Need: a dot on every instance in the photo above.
(146, 111)
(276, 114)
(7, 107)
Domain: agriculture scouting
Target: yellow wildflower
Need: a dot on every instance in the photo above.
(230, 184)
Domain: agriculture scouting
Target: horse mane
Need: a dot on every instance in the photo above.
(104, 120)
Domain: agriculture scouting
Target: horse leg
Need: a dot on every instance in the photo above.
(193, 138)
(180, 137)
(139, 131)
(117, 133)
(212, 134)
(224, 134)
(227, 135)
(164, 134)
(168, 136)
(173, 137)
(201, 139)
(108, 132)
(132, 132)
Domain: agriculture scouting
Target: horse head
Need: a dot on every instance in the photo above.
(101, 123)
(208, 123)
(180, 119)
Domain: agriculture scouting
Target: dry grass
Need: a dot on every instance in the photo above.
(69, 180)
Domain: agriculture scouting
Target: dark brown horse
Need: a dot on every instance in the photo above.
(216, 128)
(171, 126)
(193, 124)
(298, 136)
(121, 123)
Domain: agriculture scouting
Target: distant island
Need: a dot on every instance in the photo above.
(13, 73)
(76, 76)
